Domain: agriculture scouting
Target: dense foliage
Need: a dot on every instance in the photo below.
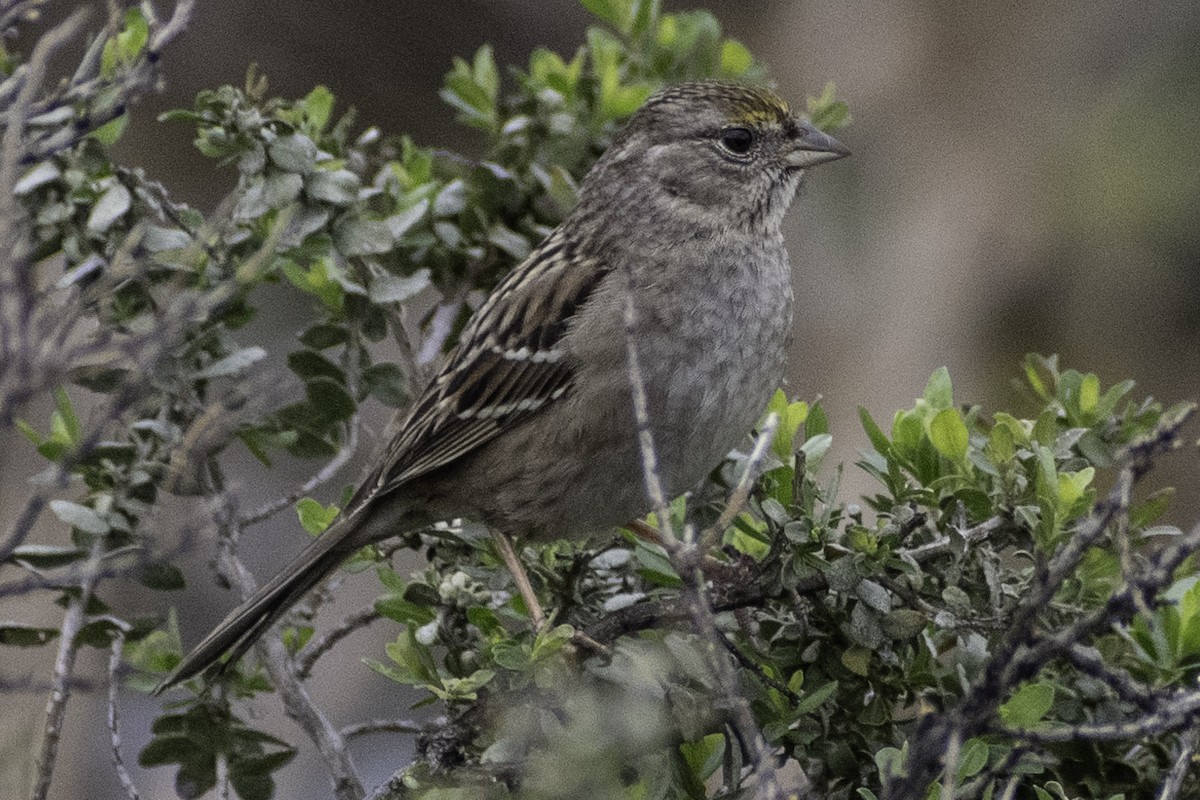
(1003, 613)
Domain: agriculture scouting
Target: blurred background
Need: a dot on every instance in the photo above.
(1026, 177)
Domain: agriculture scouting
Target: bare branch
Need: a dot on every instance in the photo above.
(1179, 770)
(741, 492)
(380, 726)
(318, 647)
(114, 736)
(64, 665)
(323, 476)
(297, 702)
(641, 416)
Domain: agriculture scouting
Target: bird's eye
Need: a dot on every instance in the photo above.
(737, 140)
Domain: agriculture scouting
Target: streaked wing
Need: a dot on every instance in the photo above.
(509, 364)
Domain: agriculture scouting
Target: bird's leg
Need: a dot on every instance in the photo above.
(644, 530)
(524, 587)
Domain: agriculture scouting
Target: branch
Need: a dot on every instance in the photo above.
(295, 697)
(381, 726)
(316, 648)
(64, 665)
(324, 475)
(1021, 651)
(1183, 761)
(114, 736)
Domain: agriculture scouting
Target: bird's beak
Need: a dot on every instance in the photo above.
(812, 147)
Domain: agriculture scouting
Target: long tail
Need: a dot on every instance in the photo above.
(238, 632)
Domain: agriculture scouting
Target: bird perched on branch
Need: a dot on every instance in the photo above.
(529, 424)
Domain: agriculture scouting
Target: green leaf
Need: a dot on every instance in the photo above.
(1150, 509)
(46, 556)
(389, 288)
(110, 132)
(311, 364)
(948, 433)
(972, 758)
(163, 577)
(70, 421)
(314, 517)
(38, 175)
(1089, 394)
(325, 335)
(1072, 485)
(330, 399)
(939, 393)
(812, 700)
(857, 659)
(878, 438)
(16, 634)
(318, 107)
(385, 382)
(705, 756)
(1028, 705)
(614, 12)
(735, 59)
(401, 223)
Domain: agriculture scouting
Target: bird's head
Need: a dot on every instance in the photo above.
(724, 149)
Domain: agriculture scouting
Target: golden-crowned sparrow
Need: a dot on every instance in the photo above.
(529, 425)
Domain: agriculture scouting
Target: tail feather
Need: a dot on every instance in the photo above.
(246, 624)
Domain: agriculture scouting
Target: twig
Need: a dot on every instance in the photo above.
(380, 726)
(316, 648)
(325, 474)
(1121, 682)
(953, 750)
(114, 736)
(1176, 710)
(1179, 770)
(297, 703)
(64, 665)
(641, 415)
(755, 668)
(175, 25)
(741, 492)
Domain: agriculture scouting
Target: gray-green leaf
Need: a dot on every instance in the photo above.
(294, 153)
(359, 237)
(389, 288)
(81, 517)
(111, 206)
(339, 187)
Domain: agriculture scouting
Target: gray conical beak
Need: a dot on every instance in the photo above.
(813, 147)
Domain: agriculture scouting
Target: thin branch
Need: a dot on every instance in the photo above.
(380, 726)
(641, 415)
(1176, 710)
(741, 492)
(297, 702)
(1179, 770)
(64, 665)
(114, 736)
(318, 647)
(323, 476)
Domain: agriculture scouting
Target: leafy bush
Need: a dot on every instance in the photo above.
(1001, 615)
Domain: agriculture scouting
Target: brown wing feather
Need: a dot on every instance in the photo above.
(508, 365)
